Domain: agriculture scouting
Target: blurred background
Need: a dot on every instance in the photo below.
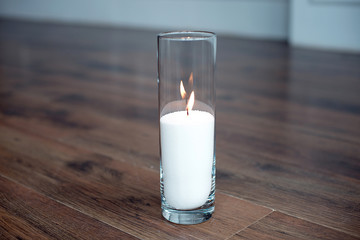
(322, 24)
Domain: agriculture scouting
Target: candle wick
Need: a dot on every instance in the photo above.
(187, 111)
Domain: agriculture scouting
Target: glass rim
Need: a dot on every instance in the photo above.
(186, 35)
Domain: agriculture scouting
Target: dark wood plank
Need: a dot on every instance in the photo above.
(292, 127)
(116, 193)
(279, 226)
(25, 214)
(288, 125)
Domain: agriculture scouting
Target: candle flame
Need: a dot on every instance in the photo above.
(191, 79)
(190, 103)
(182, 90)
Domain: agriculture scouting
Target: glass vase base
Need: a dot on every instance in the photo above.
(187, 217)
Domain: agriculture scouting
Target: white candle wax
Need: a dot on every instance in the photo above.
(187, 152)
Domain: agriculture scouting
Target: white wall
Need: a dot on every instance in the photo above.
(253, 18)
(327, 24)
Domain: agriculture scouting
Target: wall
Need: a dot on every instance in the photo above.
(253, 18)
(326, 24)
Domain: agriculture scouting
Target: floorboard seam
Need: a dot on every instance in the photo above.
(64, 204)
(304, 219)
(245, 200)
(250, 224)
(307, 220)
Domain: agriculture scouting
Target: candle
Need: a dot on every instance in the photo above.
(187, 151)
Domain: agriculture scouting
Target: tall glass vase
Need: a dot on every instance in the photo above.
(186, 85)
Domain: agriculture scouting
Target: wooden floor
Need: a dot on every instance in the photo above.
(79, 154)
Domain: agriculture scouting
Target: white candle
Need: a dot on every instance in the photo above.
(187, 152)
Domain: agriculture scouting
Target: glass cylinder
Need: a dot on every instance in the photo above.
(186, 85)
